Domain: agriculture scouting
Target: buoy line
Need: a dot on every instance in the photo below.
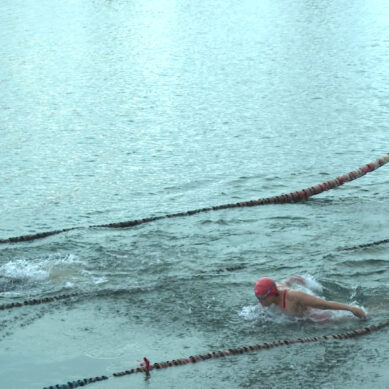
(281, 199)
(146, 367)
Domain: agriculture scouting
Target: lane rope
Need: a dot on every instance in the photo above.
(146, 367)
(38, 301)
(362, 246)
(292, 197)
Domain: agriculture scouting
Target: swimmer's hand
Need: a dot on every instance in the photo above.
(358, 312)
(293, 279)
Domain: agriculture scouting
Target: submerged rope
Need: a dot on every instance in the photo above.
(361, 246)
(146, 368)
(36, 301)
(284, 198)
(106, 292)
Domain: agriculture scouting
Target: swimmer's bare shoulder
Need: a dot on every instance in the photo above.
(302, 301)
(294, 303)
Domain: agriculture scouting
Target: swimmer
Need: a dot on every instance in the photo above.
(293, 302)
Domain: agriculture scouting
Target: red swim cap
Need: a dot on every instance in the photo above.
(265, 287)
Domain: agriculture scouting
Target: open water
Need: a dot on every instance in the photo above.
(119, 110)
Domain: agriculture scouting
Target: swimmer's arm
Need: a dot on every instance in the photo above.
(293, 280)
(314, 302)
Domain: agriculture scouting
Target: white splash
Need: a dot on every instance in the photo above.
(249, 313)
(271, 314)
(312, 284)
(39, 269)
(22, 269)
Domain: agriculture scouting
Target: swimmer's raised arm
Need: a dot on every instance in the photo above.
(309, 301)
(295, 279)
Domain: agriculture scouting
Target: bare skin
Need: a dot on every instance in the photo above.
(298, 303)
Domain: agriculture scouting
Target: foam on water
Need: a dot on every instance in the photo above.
(95, 280)
(53, 267)
(311, 284)
(22, 269)
(265, 315)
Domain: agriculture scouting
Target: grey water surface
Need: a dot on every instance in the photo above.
(126, 109)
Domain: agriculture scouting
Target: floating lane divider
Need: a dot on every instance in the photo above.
(361, 246)
(38, 301)
(146, 367)
(284, 198)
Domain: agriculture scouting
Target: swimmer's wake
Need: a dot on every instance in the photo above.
(105, 292)
(284, 198)
(147, 367)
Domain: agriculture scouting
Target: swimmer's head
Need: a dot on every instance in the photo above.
(265, 287)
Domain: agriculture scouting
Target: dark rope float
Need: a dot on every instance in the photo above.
(362, 246)
(38, 301)
(284, 198)
(146, 367)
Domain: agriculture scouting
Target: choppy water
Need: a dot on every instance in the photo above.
(119, 110)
